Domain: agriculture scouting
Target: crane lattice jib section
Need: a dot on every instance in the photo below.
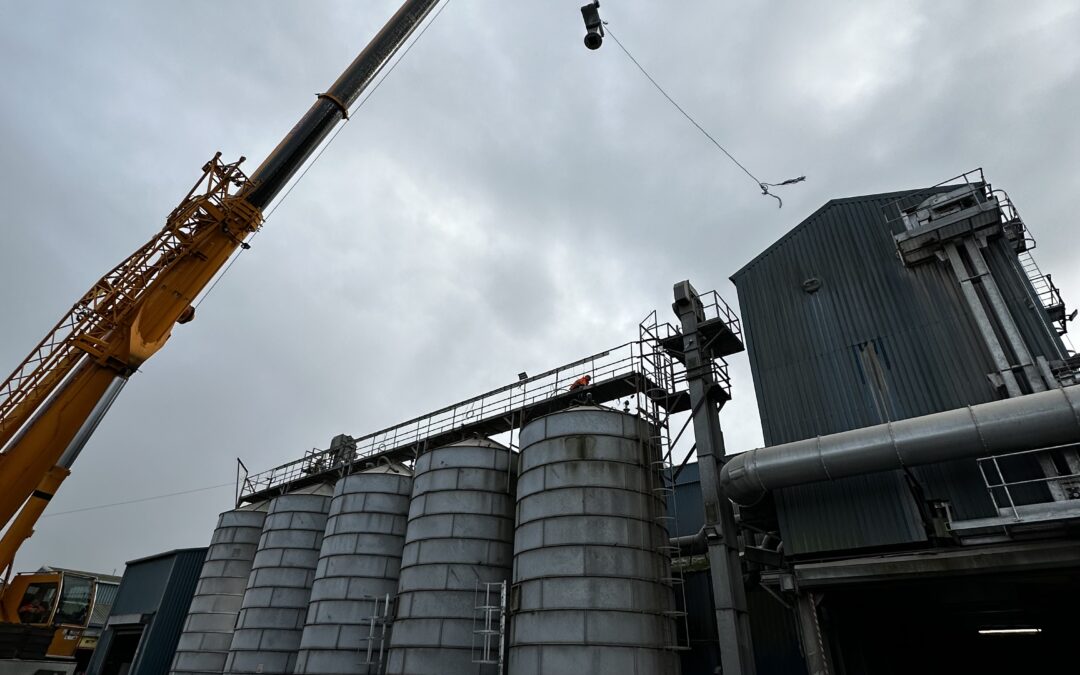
(92, 322)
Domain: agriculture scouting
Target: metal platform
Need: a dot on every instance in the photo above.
(719, 328)
(640, 373)
(1027, 506)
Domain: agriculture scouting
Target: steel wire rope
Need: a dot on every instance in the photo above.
(140, 500)
(323, 148)
(757, 181)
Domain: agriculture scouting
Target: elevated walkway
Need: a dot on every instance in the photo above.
(643, 373)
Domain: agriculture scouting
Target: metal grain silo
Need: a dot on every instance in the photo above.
(592, 589)
(271, 618)
(348, 620)
(459, 538)
(208, 628)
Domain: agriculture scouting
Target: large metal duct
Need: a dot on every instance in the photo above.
(271, 619)
(347, 629)
(1045, 419)
(592, 581)
(208, 628)
(459, 537)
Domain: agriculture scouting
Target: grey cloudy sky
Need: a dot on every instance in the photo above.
(507, 200)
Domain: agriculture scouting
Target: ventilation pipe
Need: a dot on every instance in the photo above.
(1029, 422)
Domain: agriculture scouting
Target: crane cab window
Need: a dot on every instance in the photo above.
(37, 602)
(74, 607)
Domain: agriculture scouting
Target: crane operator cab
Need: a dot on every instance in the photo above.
(69, 606)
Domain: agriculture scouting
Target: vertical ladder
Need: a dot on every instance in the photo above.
(664, 472)
(378, 631)
(489, 624)
(657, 449)
(1049, 296)
(1044, 289)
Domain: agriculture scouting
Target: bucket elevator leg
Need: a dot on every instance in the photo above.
(729, 594)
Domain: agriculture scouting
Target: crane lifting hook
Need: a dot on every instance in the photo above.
(594, 36)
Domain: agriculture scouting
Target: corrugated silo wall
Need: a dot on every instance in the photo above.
(271, 619)
(459, 536)
(807, 351)
(358, 569)
(592, 580)
(219, 592)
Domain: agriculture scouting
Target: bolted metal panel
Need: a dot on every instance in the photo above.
(459, 537)
(358, 567)
(219, 592)
(271, 618)
(592, 580)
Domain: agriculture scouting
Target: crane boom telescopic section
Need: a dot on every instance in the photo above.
(55, 398)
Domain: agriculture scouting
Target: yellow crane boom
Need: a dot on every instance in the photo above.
(54, 399)
(119, 323)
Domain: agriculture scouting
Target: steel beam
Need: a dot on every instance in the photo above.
(811, 634)
(1005, 318)
(982, 320)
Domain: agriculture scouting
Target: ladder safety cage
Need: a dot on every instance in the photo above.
(658, 450)
(489, 624)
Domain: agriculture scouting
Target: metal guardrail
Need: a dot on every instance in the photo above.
(1063, 483)
(716, 308)
(1046, 293)
(894, 210)
(638, 357)
(643, 358)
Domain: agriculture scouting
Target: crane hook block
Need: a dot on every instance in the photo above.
(594, 27)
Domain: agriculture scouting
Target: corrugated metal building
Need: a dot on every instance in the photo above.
(144, 625)
(841, 335)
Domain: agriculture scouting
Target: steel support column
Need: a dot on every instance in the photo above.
(729, 595)
(811, 634)
(1005, 318)
(982, 320)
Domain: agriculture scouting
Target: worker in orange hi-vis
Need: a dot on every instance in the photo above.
(582, 381)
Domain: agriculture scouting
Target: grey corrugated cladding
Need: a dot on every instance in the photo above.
(159, 589)
(804, 354)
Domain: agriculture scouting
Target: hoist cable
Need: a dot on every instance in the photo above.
(326, 145)
(757, 181)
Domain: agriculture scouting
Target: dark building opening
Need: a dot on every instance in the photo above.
(1014, 623)
(121, 652)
